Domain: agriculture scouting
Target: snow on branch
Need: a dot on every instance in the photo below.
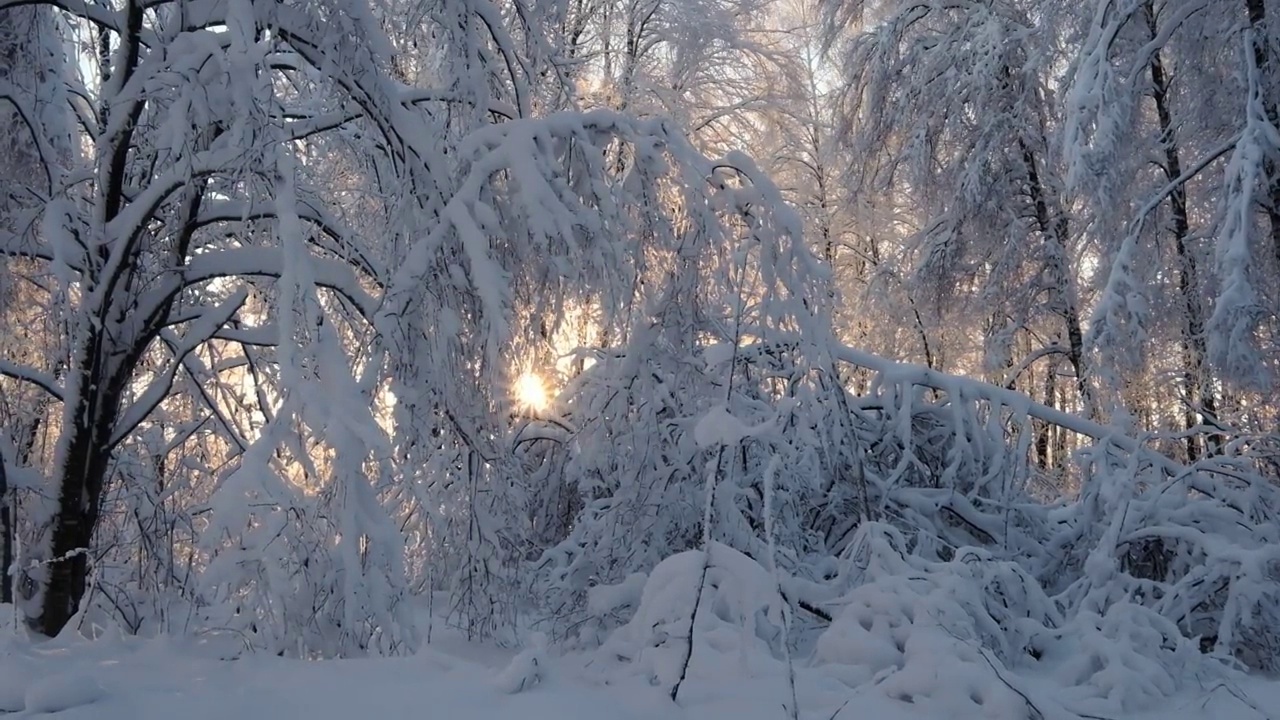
(30, 375)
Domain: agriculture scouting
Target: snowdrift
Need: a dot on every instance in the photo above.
(972, 637)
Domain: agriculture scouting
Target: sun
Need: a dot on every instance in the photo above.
(531, 392)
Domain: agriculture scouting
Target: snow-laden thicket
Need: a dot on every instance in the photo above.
(917, 505)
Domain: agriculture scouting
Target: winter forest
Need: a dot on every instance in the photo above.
(841, 335)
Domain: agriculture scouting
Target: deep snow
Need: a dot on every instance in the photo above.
(117, 678)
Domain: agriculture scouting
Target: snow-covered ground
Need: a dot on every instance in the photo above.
(130, 679)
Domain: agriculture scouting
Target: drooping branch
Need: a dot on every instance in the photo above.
(333, 274)
(30, 375)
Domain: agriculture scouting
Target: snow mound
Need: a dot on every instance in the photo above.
(952, 638)
(526, 669)
(14, 682)
(63, 692)
(921, 640)
(1129, 659)
(738, 618)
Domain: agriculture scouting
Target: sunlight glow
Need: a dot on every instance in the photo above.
(531, 392)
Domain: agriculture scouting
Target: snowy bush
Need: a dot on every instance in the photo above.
(1194, 544)
(990, 619)
(701, 610)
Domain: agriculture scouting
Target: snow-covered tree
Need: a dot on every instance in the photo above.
(277, 230)
(972, 174)
(1167, 128)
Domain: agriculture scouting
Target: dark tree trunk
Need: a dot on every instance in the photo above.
(1043, 457)
(105, 363)
(6, 538)
(1257, 11)
(1055, 228)
(1200, 397)
(83, 476)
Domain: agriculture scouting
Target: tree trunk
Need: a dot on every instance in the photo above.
(1043, 457)
(1055, 229)
(104, 363)
(1257, 11)
(83, 474)
(6, 538)
(1200, 398)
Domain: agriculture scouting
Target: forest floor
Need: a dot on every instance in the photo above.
(449, 679)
